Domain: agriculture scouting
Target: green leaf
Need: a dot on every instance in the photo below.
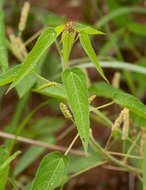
(51, 20)
(28, 186)
(87, 162)
(51, 172)
(76, 88)
(59, 29)
(121, 21)
(3, 50)
(67, 41)
(117, 65)
(9, 160)
(9, 75)
(87, 29)
(43, 43)
(86, 44)
(46, 125)
(27, 83)
(137, 28)
(57, 91)
(120, 12)
(120, 97)
(4, 172)
(30, 156)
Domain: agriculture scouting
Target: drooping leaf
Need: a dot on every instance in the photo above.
(86, 44)
(121, 21)
(120, 12)
(67, 41)
(30, 156)
(46, 125)
(120, 97)
(3, 50)
(4, 172)
(9, 75)
(87, 29)
(76, 88)
(137, 28)
(43, 43)
(57, 91)
(27, 83)
(51, 172)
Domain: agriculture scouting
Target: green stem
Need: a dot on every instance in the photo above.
(72, 143)
(33, 37)
(87, 169)
(105, 105)
(131, 148)
(98, 148)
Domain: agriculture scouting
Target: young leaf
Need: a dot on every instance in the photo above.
(67, 41)
(59, 29)
(3, 50)
(120, 97)
(42, 44)
(51, 172)
(76, 87)
(4, 172)
(86, 44)
(87, 29)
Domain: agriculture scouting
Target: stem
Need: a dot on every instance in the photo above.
(70, 146)
(34, 36)
(98, 148)
(105, 105)
(65, 133)
(40, 77)
(9, 160)
(108, 141)
(131, 148)
(42, 144)
(128, 155)
(87, 169)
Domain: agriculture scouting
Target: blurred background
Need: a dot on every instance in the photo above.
(124, 25)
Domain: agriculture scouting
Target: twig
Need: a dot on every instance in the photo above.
(42, 144)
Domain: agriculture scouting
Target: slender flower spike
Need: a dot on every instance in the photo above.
(91, 99)
(49, 84)
(65, 111)
(116, 80)
(123, 117)
(125, 123)
(23, 17)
